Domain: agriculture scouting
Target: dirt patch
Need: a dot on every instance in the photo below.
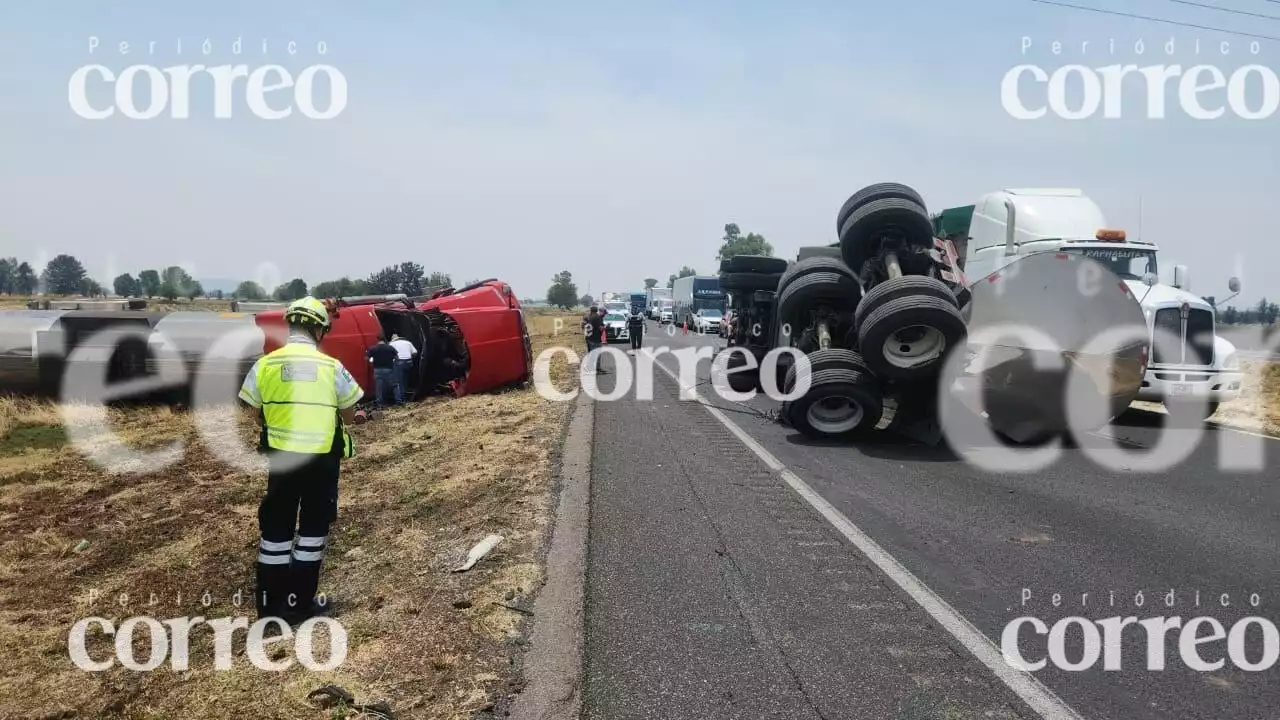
(430, 481)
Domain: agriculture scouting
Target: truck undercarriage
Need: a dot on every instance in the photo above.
(878, 315)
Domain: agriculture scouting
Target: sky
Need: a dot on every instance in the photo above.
(610, 139)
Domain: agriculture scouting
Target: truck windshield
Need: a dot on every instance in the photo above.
(709, 313)
(1128, 263)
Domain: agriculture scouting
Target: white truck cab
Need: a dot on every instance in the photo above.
(1191, 360)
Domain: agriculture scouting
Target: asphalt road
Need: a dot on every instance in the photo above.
(714, 590)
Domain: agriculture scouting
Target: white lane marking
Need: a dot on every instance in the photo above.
(1232, 428)
(1040, 698)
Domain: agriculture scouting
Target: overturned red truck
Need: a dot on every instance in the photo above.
(470, 339)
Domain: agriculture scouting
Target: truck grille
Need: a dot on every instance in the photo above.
(1197, 343)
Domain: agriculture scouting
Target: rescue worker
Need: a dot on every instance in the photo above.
(405, 353)
(635, 328)
(305, 399)
(382, 356)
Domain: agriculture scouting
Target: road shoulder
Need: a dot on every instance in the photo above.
(553, 664)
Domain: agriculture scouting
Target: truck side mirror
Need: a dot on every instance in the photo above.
(1149, 279)
(1234, 284)
(1182, 277)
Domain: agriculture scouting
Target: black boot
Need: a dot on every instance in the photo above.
(272, 587)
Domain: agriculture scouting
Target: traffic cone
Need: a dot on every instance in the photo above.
(685, 325)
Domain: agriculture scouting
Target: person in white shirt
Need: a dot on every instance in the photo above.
(405, 352)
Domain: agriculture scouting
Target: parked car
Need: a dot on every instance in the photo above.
(707, 320)
(666, 316)
(615, 327)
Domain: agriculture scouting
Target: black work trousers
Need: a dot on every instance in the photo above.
(301, 499)
(637, 336)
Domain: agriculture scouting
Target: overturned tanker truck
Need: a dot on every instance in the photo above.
(470, 339)
(894, 331)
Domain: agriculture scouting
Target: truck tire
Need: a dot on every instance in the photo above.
(894, 288)
(812, 265)
(871, 193)
(905, 218)
(749, 281)
(741, 380)
(908, 338)
(841, 402)
(753, 264)
(802, 294)
(829, 359)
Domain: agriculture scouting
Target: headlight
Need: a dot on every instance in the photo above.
(1232, 362)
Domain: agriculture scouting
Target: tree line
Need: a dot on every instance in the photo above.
(66, 275)
(732, 243)
(1264, 313)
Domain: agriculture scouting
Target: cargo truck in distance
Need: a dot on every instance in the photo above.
(1191, 369)
(639, 300)
(878, 315)
(658, 299)
(693, 293)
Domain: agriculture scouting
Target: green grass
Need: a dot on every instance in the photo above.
(33, 437)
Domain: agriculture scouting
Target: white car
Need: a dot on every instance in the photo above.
(707, 320)
(615, 328)
(665, 316)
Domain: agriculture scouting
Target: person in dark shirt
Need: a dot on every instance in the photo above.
(383, 358)
(593, 329)
(635, 327)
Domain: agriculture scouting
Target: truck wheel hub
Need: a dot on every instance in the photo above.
(835, 415)
(914, 345)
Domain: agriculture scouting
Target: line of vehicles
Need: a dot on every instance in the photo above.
(877, 312)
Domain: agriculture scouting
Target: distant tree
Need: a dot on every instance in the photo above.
(91, 289)
(217, 294)
(685, 271)
(734, 243)
(586, 301)
(8, 271)
(181, 280)
(650, 283)
(63, 274)
(169, 291)
(24, 279)
(333, 288)
(411, 275)
(385, 281)
(1230, 316)
(295, 289)
(439, 280)
(193, 290)
(150, 282)
(249, 290)
(563, 292)
(1273, 312)
(126, 286)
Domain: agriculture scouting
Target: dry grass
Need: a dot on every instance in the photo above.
(430, 481)
(1258, 408)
